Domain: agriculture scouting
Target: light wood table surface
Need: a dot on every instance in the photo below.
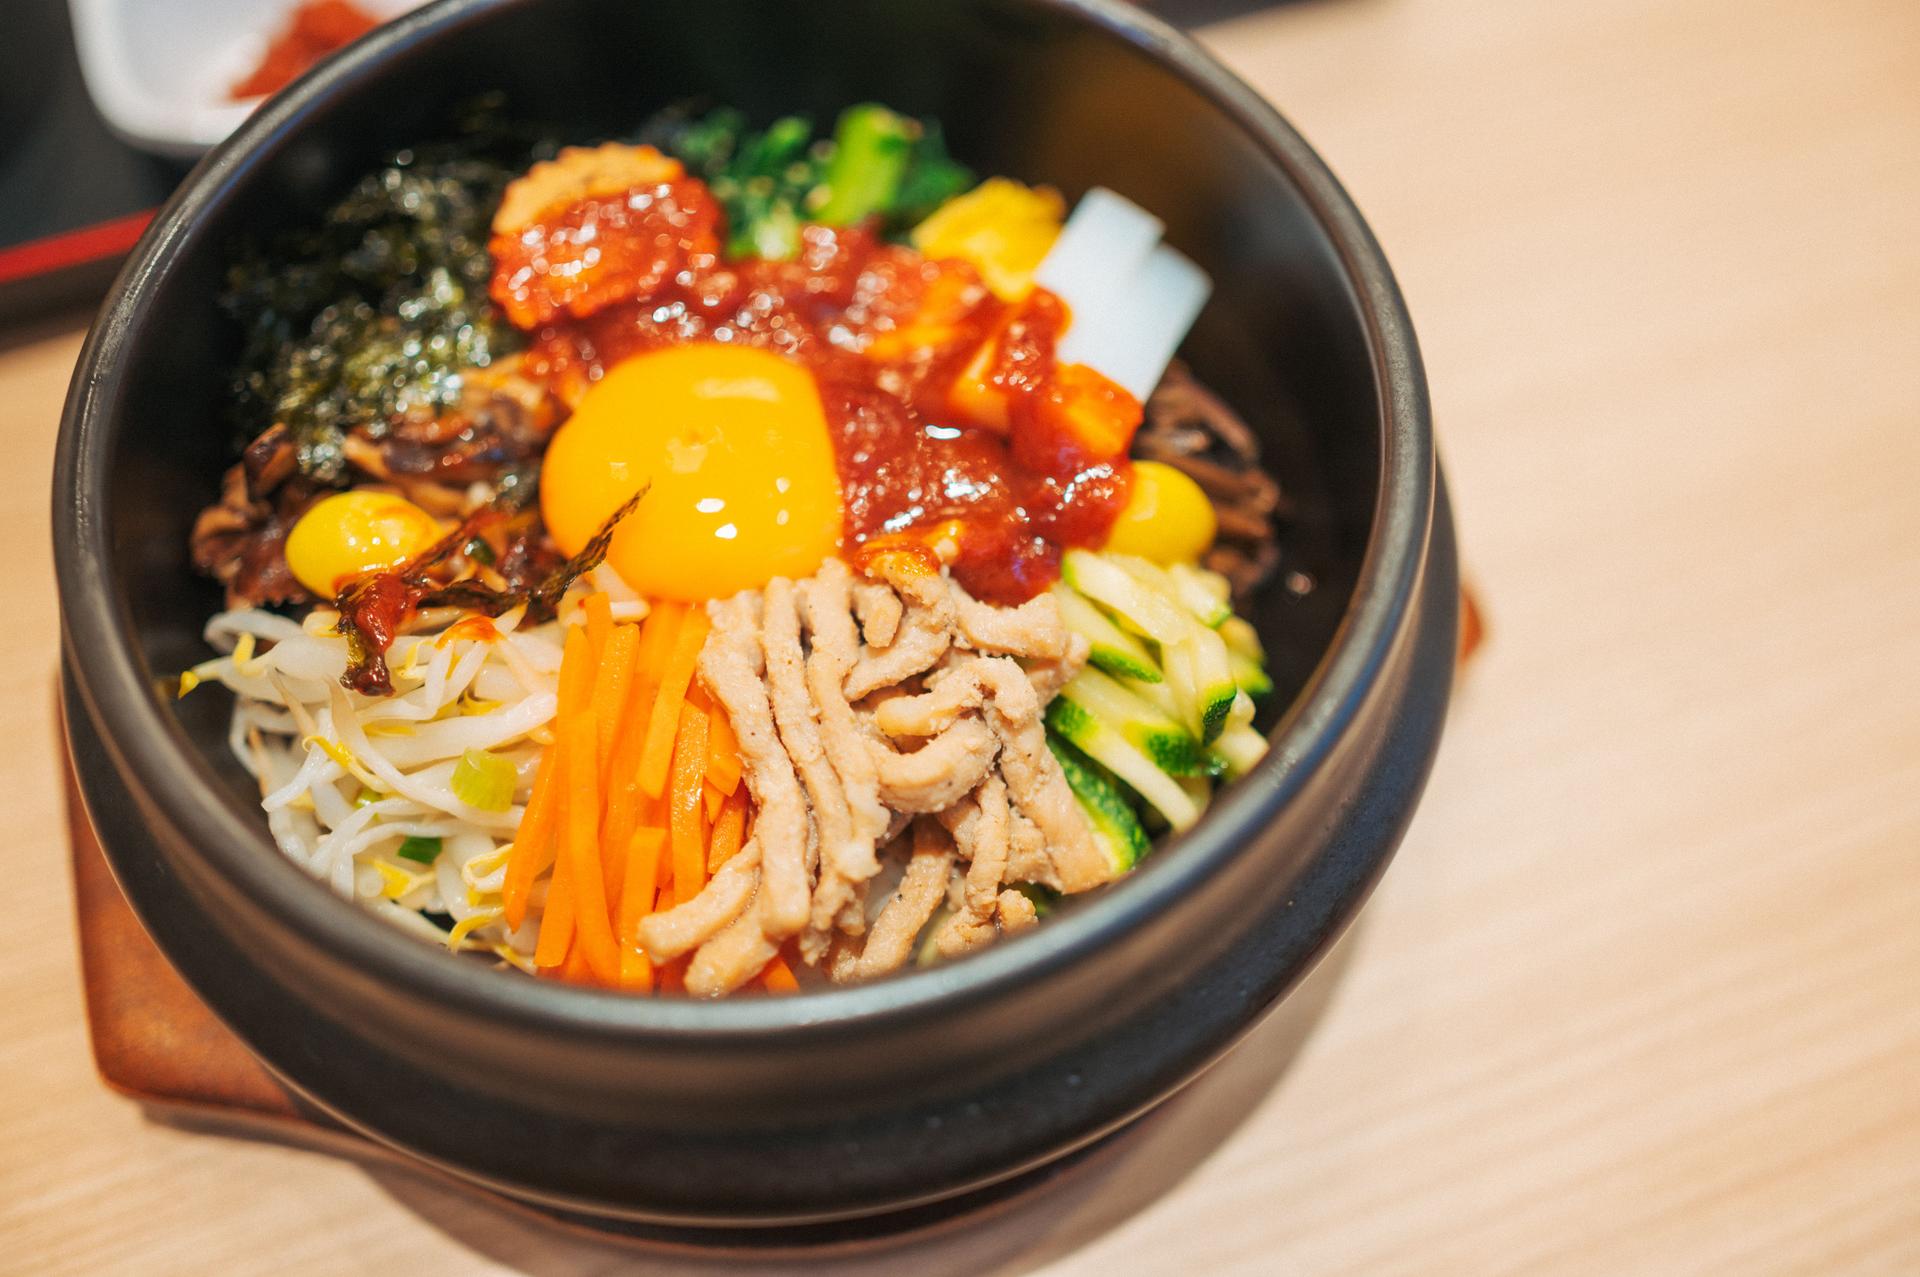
(1642, 992)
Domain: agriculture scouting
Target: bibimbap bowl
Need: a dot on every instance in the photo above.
(848, 1101)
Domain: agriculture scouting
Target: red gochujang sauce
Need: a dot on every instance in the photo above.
(886, 333)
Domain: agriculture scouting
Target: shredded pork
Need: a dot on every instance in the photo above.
(890, 732)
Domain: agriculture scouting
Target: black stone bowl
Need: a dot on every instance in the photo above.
(834, 1104)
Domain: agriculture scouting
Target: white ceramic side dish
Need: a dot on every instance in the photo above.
(160, 71)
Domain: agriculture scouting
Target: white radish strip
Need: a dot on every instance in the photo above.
(1105, 241)
(1133, 341)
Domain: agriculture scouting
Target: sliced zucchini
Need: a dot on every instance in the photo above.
(1214, 677)
(1110, 647)
(1045, 899)
(1109, 815)
(1202, 680)
(1205, 594)
(1249, 674)
(1145, 609)
(1172, 747)
(1159, 695)
(1106, 746)
(1199, 593)
(1238, 749)
(1241, 637)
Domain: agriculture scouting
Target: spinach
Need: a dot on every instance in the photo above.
(878, 164)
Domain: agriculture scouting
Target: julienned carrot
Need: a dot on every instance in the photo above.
(683, 805)
(611, 684)
(624, 798)
(643, 812)
(636, 971)
(710, 796)
(598, 609)
(659, 749)
(534, 845)
(593, 928)
(576, 673)
(576, 969)
(657, 632)
(723, 754)
(729, 831)
(636, 902)
(777, 976)
(671, 978)
(556, 920)
(532, 852)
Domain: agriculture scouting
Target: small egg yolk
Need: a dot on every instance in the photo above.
(1167, 518)
(732, 445)
(349, 533)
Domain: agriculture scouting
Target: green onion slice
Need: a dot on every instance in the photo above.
(484, 781)
(420, 850)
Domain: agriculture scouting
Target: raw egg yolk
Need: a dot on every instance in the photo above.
(732, 446)
(1167, 518)
(349, 533)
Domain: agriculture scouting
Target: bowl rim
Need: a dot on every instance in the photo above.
(151, 750)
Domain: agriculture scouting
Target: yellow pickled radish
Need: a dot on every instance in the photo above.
(353, 532)
(1001, 226)
(1167, 518)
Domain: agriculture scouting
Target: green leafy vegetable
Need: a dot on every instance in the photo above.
(872, 147)
(932, 179)
(419, 850)
(878, 164)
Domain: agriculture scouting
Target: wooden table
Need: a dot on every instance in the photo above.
(1642, 993)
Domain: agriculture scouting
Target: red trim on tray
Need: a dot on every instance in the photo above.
(72, 248)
